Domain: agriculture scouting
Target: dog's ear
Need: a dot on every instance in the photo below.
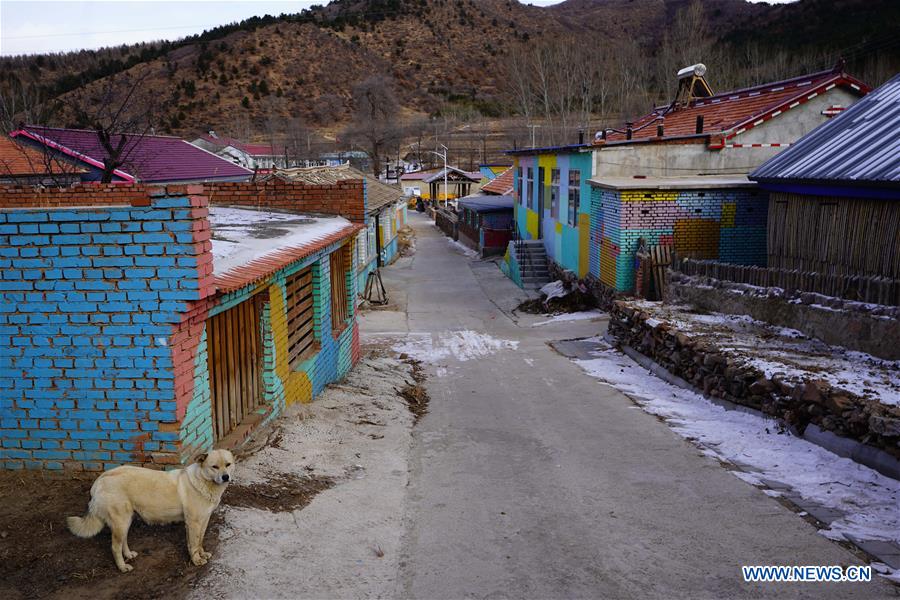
(201, 458)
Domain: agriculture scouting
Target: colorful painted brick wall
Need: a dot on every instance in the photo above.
(103, 316)
(728, 225)
(94, 281)
(566, 244)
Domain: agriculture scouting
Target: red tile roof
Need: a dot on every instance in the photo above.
(731, 113)
(502, 184)
(151, 158)
(19, 160)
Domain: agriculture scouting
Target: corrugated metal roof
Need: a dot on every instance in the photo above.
(151, 158)
(482, 204)
(860, 145)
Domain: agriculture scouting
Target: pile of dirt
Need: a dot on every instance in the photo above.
(406, 241)
(576, 300)
(40, 558)
(416, 396)
(279, 493)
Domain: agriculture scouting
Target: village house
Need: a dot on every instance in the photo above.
(676, 177)
(385, 213)
(834, 196)
(485, 222)
(411, 183)
(150, 159)
(449, 184)
(552, 212)
(143, 325)
(253, 156)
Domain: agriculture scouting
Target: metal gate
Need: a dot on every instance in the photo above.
(235, 355)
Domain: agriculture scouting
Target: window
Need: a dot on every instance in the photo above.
(540, 202)
(554, 194)
(520, 186)
(574, 196)
(529, 178)
(299, 307)
(340, 263)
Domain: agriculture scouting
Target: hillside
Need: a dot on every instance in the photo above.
(443, 53)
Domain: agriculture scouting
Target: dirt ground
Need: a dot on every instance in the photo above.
(40, 558)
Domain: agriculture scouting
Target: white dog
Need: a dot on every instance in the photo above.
(190, 495)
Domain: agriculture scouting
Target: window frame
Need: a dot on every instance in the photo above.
(529, 185)
(521, 186)
(541, 195)
(554, 193)
(574, 199)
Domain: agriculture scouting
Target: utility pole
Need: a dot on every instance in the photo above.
(533, 127)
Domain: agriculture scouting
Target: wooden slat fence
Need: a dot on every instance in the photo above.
(834, 235)
(877, 290)
(300, 322)
(235, 371)
(340, 263)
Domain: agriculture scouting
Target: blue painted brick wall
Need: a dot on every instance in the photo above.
(88, 298)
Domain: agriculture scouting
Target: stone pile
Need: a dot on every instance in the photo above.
(717, 374)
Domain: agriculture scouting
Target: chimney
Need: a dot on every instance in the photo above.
(659, 128)
(699, 124)
(580, 137)
(628, 130)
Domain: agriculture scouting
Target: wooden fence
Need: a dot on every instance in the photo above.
(830, 234)
(877, 290)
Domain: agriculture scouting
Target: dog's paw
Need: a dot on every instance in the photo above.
(205, 554)
(198, 560)
(130, 554)
(126, 568)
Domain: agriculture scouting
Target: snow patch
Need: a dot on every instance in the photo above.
(241, 235)
(867, 499)
(575, 316)
(461, 345)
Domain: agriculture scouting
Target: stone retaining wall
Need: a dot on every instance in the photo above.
(869, 328)
(717, 375)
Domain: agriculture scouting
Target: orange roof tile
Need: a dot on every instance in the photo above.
(732, 113)
(502, 184)
(19, 160)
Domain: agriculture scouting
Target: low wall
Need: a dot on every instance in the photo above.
(864, 327)
(344, 198)
(798, 405)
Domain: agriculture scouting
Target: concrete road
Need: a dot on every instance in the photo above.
(530, 479)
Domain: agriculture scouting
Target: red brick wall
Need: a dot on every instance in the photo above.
(345, 198)
(22, 196)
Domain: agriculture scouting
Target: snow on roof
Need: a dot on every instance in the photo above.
(244, 235)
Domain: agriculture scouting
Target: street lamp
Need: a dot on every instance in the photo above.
(443, 156)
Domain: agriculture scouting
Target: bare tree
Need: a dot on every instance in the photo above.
(374, 127)
(121, 111)
(24, 104)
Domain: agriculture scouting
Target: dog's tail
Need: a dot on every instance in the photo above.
(86, 526)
